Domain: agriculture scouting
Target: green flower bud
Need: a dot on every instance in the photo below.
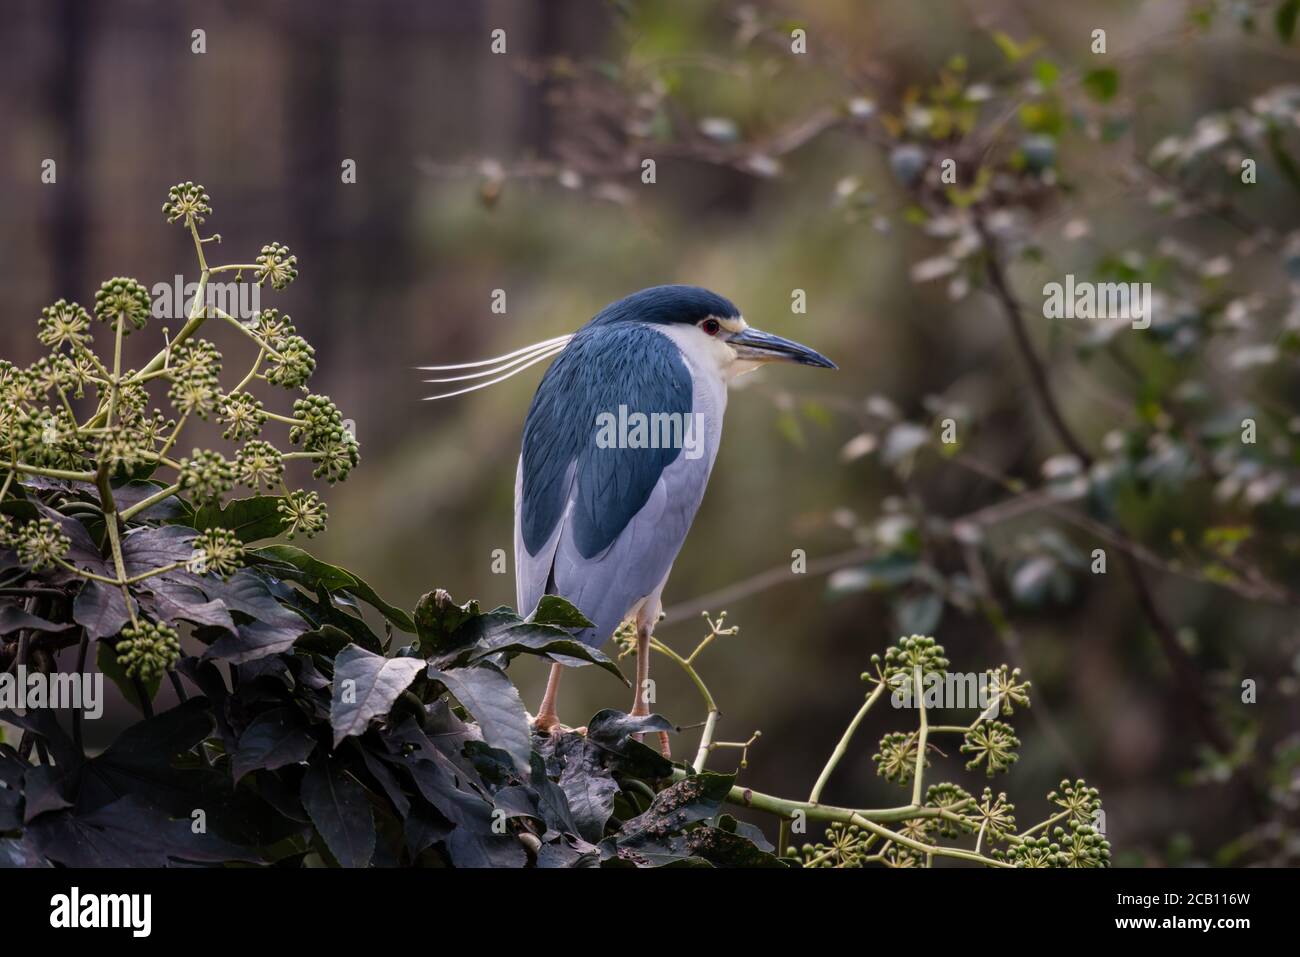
(276, 264)
(243, 415)
(896, 757)
(148, 650)
(122, 298)
(120, 448)
(993, 743)
(259, 463)
(206, 475)
(217, 551)
(40, 543)
(335, 449)
(188, 202)
(302, 512)
(64, 323)
(273, 328)
(293, 364)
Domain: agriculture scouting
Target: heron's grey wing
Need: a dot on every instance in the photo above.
(532, 570)
(611, 585)
(576, 503)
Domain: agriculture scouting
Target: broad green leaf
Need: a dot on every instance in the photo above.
(487, 694)
(439, 622)
(557, 611)
(1285, 19)
(365, 686)
(1101, 84)
(252, 519)
(114, 672)
(315, 573)
(339, 808)
(274, 739)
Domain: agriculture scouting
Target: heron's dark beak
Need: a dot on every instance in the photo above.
(758, 346)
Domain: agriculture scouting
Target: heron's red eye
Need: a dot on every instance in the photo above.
(710, 326)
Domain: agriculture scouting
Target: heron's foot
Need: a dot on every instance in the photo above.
(549, 725)
(665, 746)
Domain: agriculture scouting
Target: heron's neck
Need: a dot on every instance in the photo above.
(712, 358)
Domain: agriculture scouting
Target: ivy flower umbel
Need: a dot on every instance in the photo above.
(50, 374)
(1032, 852)
(994, 816)
(902, 659)
(1082, 845)
(333, 448)
(293, 364)
(272, 327)
(259, 463)
(132, 400)
(196, 357)
(206, 475)
(1081, 801)
(148, 649)
(950, 797)
(992, 743)
(118, 447)
(122, 298)
(195, 374)
(275, 263)
(896, 757)
(188, 202)
(40, 543)
(64, 323)
(1005, 685)
(845, 845)
(217, 551)
(152, 430)
(302, 512)
(243, 416)
(46, 437)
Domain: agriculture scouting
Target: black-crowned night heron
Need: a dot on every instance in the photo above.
(618, 446)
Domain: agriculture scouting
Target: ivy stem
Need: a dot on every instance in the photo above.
(843, 747)
(176, 432)
(266, 348)
(54, 473)
(77, 714)
(111, 517)
(870, 820)
(154, 499)
(1048, 823)
(257, 364)
(711, 720)
(922, 738)
(116, 381)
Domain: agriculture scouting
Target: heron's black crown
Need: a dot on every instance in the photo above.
(666, 305)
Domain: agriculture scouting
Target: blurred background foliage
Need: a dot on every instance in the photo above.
(779, 171)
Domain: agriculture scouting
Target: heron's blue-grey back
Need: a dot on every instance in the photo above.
(602, 526)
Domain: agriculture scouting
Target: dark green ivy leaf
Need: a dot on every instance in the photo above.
(339, 808)
(252, 519)
(314, 573)
(365, 686)
(487, 694)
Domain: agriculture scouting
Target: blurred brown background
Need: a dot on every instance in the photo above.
(398, 270)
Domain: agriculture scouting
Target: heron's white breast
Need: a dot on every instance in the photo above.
(710, 361)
